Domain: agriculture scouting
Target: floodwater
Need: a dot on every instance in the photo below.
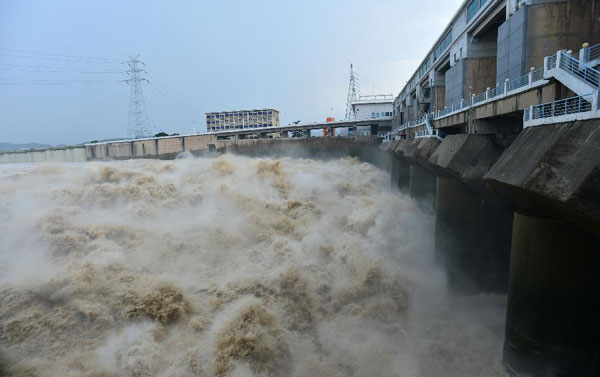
(231, 266)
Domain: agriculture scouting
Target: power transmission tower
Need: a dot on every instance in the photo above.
(352, 95)
(138, 124)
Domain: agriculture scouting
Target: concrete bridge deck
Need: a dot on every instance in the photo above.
(381, 123)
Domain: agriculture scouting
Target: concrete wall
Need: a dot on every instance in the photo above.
(454, 89)
(151, 148)
(510, 62)
(560, 25)
(170, 145)
(459, 48)
(484, 45)
(480, 73)
(120, 150)
(76, 154)
(438, 94)
(198, 143)
(144, 148)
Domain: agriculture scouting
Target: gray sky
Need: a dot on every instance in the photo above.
(203, 56)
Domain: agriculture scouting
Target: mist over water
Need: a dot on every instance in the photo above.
(231, 266)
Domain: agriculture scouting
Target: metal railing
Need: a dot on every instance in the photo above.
(421, 121)
(584, 72)
(428, 123)
(551, 62)
(479, 98)
(497, 91)
(526, 114)
(537, 75)
(592, 53)
(372, 97)
(404, 126)
(573, 105)
(433, 133)
(450, 109)
(519, 82)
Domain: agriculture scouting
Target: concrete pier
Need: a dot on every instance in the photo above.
(472, 238)
(403, 175)
(552, 326)
(551, 175)
(394, 166)
(422, 184)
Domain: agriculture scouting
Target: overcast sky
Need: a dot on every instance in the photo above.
(202, 56)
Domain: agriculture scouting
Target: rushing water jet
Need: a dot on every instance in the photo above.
(228, 267)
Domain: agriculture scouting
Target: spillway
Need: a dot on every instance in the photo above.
(229, 266)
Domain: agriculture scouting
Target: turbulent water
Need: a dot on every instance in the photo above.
(228, 267)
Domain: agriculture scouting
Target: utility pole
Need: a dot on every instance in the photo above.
(351, 95)
(138, 125)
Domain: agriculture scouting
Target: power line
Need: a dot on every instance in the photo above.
(169, 110)
(63, 60)
(170, 100)
(64, 56)
(172, 109)
(54, 71)
(181, 99)
(49, 67)
(56, 82)
(370, 83)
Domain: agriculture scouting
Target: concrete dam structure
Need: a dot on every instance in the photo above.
(523, 220)
(500, 124)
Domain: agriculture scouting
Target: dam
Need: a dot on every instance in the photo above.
(462, 240)
(492, 226)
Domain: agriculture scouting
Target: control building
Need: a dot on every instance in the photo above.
(241, 119)
(373, 106)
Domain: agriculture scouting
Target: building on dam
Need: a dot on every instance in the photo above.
(368, 107)
(241, 119)
(491, 47)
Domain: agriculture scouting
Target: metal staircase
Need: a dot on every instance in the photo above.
(576, 75)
